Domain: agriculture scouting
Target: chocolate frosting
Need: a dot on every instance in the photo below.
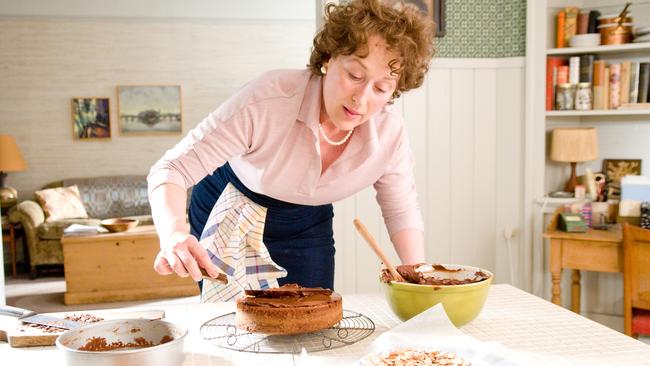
(289, 295)
(288, 290)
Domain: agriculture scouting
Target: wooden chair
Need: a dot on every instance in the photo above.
(636, 277)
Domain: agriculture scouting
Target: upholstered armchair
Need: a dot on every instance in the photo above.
(103, 197)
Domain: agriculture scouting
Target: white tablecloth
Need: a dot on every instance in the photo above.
(546, 333)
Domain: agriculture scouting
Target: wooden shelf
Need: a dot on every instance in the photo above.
(623, 48)
(603, 112)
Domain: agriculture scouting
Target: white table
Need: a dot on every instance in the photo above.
(522, 322)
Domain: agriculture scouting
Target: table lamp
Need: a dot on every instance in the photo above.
(11, 160)
(574, 145)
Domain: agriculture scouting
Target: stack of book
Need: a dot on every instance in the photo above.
(620, 85)
(572, 21)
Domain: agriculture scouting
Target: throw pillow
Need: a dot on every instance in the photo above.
(61, 203)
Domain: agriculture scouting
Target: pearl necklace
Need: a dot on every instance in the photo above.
(334, 143)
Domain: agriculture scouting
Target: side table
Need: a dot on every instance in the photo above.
(595, 250)
(10, 233)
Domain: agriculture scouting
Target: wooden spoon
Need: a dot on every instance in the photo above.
(375, 247)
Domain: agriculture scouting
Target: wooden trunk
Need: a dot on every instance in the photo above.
(118, 267)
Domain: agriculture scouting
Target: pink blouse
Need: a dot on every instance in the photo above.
(268, 131)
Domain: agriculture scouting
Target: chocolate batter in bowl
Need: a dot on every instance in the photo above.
(437, 274)
(462, 290)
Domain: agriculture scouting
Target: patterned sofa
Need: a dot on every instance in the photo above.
(103, 197)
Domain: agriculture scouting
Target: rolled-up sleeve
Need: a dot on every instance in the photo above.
(225, 133)
(396, 192)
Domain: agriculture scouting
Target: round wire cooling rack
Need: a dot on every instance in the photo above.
(222, 332)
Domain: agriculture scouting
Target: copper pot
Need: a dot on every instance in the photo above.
(614, 33)
(609, 19)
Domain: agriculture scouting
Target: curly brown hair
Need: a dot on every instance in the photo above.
(405, 30)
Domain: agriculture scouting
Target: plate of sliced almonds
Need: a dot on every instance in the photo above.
(413, 356)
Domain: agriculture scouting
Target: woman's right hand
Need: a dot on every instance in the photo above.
(181, 253)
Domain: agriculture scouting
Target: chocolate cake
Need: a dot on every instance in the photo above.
(289, 309)
(435, 274)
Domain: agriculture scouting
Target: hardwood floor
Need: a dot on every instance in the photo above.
(45, 294)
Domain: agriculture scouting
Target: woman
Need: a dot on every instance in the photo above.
(294, 141)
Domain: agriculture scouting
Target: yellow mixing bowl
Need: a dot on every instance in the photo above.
(462, 303)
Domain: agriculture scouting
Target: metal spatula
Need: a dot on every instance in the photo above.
(28, 316)
(221, 278)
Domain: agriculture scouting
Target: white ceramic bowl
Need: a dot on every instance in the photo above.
(585, 40)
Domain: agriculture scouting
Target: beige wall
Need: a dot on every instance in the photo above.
(45, 61)
(468, 181)
(213, 9)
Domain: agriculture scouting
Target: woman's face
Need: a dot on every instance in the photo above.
(354, 88)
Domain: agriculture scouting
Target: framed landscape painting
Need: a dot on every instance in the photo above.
(149, 110)
(90, 118)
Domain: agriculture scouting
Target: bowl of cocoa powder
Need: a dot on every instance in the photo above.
(124, 342)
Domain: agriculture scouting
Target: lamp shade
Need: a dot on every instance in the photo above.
(11, 160)
(572, 145)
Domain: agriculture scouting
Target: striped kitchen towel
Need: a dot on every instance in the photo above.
(233, 238)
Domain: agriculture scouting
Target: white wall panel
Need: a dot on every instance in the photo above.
(438, 235)
(462, 165)
(416, 112)
(484, 187)
(465, 126)
(509, 171)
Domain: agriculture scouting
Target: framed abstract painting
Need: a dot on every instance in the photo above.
(90, 118)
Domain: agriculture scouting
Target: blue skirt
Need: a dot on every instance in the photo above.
(299, 238)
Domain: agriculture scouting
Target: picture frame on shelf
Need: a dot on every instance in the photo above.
(615, 169)
(90, 118)
(436, 9)
(150, 109)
